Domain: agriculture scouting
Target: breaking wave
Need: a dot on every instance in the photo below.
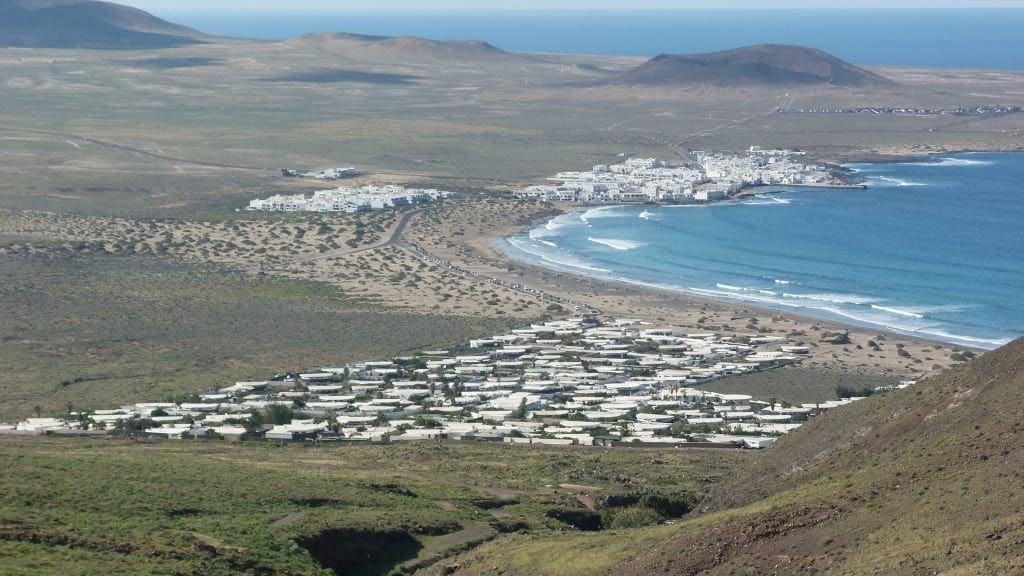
(617, 244)
(896, 182)
(952, 162)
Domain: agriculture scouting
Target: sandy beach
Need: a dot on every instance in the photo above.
(443, 259)
(466, 235)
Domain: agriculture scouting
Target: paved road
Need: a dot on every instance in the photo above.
(396, 234)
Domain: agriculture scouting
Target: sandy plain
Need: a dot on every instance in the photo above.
(137, 158)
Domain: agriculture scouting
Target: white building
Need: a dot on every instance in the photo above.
(640, 180)
(349, 200)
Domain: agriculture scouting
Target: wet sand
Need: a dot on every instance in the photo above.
(467, 234)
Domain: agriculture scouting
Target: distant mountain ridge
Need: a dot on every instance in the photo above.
(87, 24)
(764, 64)
(407, 47)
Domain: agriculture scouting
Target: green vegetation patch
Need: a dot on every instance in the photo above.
(98, 330)
(796, 385)
(112, 506)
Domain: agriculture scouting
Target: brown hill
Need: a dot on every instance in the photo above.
(927, 480)
(86, 24)
(766, 64)
(402, 47)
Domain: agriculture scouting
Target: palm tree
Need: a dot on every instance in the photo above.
(450, 394)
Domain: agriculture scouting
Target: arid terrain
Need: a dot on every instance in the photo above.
(136, 158)
(131, 271)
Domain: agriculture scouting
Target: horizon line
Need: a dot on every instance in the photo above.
(419, 10)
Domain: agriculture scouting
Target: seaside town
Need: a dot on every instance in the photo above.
(907, 111)
(324, 174)
(575, 381)
(707, 177)
(364, 199)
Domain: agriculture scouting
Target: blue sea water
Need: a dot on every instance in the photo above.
(980, 38)
(932, 248)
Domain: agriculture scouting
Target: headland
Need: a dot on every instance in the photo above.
(159, 171)
(131, 272)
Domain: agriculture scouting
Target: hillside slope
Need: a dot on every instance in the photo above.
(86, 24)
(924, 481)
(406, 48)
(766, 64)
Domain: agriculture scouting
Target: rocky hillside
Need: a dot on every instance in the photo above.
(86, 24)
(767, 64)
(927, 480)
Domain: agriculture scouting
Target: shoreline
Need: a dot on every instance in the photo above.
(835, 347)
(901, 155)
(750, 308)
(621, 298)
(807, 314)
(750, 191)
(506, 249)
(468, 236)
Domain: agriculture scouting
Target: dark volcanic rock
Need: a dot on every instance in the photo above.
(86, 24)
(766, 64)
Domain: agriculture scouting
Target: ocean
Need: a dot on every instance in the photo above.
(979, 38)
(933, 248)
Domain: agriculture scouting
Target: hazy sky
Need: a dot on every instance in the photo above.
(227, 6)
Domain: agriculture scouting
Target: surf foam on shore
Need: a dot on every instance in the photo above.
(854, 258)
(616, 243)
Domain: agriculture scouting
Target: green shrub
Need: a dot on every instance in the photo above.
(632, 517)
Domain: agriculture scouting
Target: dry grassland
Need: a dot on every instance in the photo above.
(123, 161)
